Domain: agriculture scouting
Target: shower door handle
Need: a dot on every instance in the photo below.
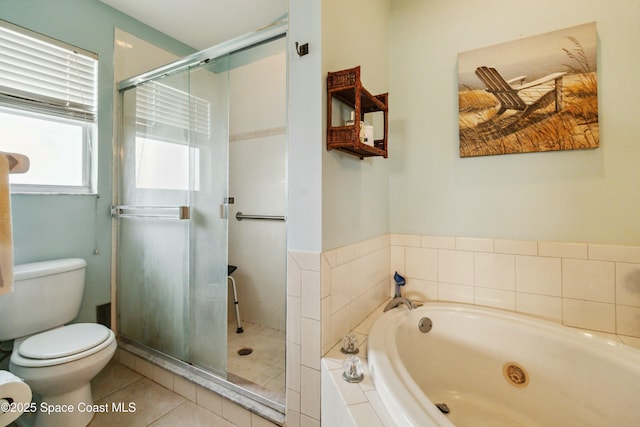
(224, 207)
(163, 212)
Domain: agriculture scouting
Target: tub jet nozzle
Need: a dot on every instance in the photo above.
(443, 407)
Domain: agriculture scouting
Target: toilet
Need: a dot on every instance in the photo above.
(56, 360)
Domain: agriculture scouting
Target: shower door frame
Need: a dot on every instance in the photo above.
(177, 366)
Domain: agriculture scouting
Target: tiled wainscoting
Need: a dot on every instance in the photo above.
(589, 286)
(328, 295)
(303, 339)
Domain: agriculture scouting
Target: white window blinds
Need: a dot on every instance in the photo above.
(161, 104)
(44, 75)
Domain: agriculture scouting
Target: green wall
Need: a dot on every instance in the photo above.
(58, 226)
(571, 196)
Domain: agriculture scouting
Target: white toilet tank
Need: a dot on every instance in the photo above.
(45, 295)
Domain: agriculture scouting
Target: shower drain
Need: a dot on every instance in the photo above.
(515, 374)
(245, 351)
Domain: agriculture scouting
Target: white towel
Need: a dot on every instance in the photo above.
(6, 241)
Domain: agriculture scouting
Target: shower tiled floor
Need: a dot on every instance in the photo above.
(265, 366)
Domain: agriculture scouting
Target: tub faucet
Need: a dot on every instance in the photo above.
(397, 301)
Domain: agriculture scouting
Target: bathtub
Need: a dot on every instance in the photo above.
(495, 368)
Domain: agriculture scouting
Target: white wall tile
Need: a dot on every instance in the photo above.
(596, 316)
(327, 342)
(293, 418)
(341, 280)
(497, 298)
(258, 421)
(144, 367)
(310, 343)
(438, 242)
(455, 293)
(359, 311)
(325, 278)
(539, 275)
(307, 260)
(563, 250)
(381, 242)
(209, 400)
(163, 377)
(615, 253)
(628, 320)
(293, 400)
(334, 410)
(293, 366)
(421, 290)
(365, 415)
(306, 421)
(340, 323)
(310, 291)
(496, 271)
(345, 254)
(588, 280)
(361, 276)
(542, 306)
(421, 263)
(410, 240)
(332, 257)
(628, 284)
(293, 319)
(351, 392)
(310, 392)
(378, 406)
(363, 248)
(454, 267)
(184, 387)
(294, 276)
(474, 244)
(516, 247)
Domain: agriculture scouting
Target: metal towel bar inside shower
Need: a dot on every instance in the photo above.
(240, 216)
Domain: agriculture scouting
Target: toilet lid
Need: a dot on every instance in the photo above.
(64, 341)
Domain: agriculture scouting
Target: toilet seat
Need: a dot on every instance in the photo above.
(62, 345)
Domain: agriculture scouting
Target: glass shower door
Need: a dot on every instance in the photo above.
(171, 236)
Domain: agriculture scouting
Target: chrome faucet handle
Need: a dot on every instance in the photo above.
(399, 301)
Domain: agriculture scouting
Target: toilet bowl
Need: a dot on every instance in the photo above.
(57, 361)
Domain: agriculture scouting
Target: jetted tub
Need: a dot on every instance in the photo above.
(495, 368)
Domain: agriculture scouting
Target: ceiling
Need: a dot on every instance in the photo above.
(203, 23)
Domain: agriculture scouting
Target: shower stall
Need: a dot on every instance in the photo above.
(172, 210)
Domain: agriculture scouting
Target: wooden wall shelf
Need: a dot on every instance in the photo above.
(345, 86)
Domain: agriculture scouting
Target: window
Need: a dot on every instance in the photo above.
(48, 110)
(166, 120)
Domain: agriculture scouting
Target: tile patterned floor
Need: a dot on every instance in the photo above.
(265, 366)
(154, 405)
(263, 371)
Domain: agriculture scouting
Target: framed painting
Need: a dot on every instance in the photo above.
(534, 94)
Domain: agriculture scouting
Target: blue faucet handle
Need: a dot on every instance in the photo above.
(400, 281)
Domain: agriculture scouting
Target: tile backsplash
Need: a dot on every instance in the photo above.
(589, 286)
